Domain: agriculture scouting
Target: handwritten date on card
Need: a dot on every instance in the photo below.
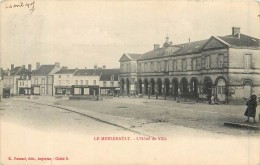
(21, 4)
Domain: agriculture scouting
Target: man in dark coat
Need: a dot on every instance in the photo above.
(251, 108)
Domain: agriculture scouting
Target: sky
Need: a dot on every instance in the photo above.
(85, 33)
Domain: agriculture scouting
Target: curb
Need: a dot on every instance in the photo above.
(239, 125)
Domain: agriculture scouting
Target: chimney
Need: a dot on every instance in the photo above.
(57, 64)
(156, 46)
(104, 67)
(12, 66)
(64, 67)
(23, 66)
(236, 32)
(95, 67)
(30, 67)
(38, 65)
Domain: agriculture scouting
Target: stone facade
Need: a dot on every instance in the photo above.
(223, 67)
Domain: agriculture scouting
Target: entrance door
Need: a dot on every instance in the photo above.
(221, 90)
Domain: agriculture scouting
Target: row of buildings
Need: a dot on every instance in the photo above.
(226, 67)
(56, 80)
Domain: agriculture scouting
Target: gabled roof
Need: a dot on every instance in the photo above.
(66, 71)
(242, 41)
(19, 70)
(87, 72)
(130, 56)
(134, 56)
(44, 70)
(107, 73)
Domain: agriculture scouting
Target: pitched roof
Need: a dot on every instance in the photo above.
(243, 40)
(107, 73)
(66, 71)
(89, 72)
(19, 70)
(134, 56)
(43, 70)
(156, 53)
(192, 47)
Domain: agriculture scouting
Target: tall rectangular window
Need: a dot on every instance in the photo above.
(194, 64)
(86, 82)
(174, 65)
(36, 81)
(159, 66)
(151, 67)
(94, 82)
(43, 80)
(248, 61)
(104, 84)
(139, 67)
(184, 65)
(81, 82)
(166, 66)
(142, 67)
(220, 60)
(207, 62)
(76, 82)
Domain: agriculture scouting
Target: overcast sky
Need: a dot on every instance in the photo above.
(83, 33)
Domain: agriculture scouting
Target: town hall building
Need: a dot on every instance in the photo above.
(225, 67)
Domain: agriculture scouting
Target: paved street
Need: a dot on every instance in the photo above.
(192, 133)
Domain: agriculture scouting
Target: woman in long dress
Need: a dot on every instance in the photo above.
(251, 108)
